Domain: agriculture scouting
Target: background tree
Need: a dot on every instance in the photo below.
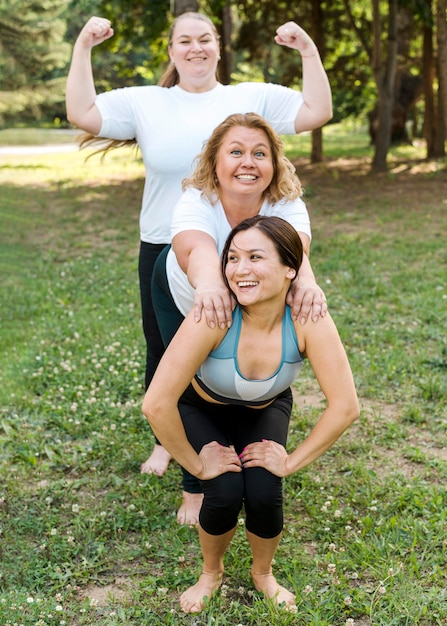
(384, 64)
(380, 56)
(33, 58)
(441, 29)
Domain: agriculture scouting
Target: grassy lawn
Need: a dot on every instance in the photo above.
(86, 539)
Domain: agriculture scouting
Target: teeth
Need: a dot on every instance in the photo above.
(247, 283)
(246, 177)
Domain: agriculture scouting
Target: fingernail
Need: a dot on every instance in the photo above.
(303, 320)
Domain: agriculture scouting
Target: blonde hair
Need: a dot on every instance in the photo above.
(285, 182)
(169, 78)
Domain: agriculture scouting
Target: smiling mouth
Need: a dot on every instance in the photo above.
(246, 177)
(247, 283)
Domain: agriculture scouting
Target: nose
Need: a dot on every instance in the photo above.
(243, 267)
(196, 45)
(247, 160)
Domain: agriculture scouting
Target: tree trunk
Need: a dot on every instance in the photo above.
(316, 154)
(183, 6)
(428, 74)
(225, 31)
(384, 78)
(442, 75)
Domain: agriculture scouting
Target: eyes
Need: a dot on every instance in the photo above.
(233, 258)
(203, 41)
(258, 154)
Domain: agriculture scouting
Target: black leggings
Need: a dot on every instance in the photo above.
(168, 319)
(149, 253)
(256, 488)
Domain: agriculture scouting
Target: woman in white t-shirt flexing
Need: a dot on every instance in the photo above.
(170, 123)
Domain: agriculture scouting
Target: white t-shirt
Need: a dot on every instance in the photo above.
(194, 212)
(171, 126)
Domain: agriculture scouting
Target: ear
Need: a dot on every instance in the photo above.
(291, 273)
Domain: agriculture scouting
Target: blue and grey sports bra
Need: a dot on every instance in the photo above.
(220, 378)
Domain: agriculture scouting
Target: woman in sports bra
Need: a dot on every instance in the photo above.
(220, 402)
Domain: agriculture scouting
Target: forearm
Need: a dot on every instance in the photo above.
(326, 432)
(306, 272)
(317, 106)
(204, 267)
(80, 90)
(168, 428)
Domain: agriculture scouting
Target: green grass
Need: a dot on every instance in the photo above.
(36, 136)
(87, 540)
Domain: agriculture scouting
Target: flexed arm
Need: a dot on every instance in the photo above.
(317, 106)
(323, 347)
(186, 352)
(80, 91)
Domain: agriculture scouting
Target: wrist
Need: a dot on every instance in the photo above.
(312, 53)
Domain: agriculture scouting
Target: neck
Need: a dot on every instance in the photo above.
(237, 209)
(199, 86)
(265, 315)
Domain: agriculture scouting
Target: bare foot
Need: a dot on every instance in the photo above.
(189, 510)
(193, 599)
(272, 590)
(157, 463)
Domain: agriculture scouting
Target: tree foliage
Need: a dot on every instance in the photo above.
(33, 56)
(36, 40)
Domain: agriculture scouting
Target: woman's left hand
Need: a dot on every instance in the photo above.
(306, 297)
(293, 36)
(268, 454)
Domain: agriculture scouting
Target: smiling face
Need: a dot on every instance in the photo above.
(244, 165)
(254, 270)
(194, 50)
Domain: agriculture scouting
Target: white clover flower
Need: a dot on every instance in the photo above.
(382, 589)
(348, 600)
(308, 589)
(331, 568)
(75, 508)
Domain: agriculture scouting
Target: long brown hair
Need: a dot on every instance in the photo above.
(169, 78)
(285, 183)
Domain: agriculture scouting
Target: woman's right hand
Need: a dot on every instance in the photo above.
(218, 459)
(217, 304)
(95, 31)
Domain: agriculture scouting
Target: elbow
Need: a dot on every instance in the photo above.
(72, 118)
(352, 411)
(329, 113)
(150, 411)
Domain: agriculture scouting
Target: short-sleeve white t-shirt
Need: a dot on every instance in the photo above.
(171, 126)
(195, 212)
